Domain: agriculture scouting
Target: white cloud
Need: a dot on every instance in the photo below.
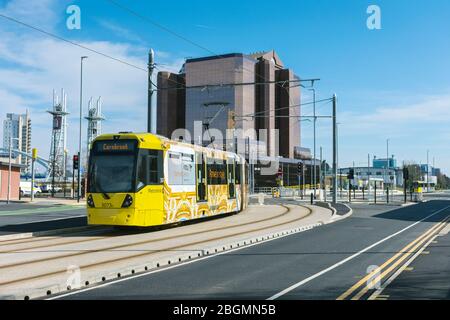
(40, 13)
(32, 67)
(429, 112)
(413, 128)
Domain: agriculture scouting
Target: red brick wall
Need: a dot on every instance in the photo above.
(15, 182)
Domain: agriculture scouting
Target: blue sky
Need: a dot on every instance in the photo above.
(391, 83)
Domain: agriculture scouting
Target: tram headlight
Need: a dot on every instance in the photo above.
(90, 201)
(128, 201)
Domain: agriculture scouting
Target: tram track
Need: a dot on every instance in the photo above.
(122, 233)
(146, 252)
(56, 235)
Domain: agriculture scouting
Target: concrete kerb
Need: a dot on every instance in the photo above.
(339, 217)
(160, 264)
(327, 205)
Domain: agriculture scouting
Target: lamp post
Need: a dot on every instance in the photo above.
(79, 141)
(314, 138)
(335, 149)
(428, 169)
(9, 167)
(387, 162)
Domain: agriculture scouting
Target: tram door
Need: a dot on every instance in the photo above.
(231, 167)
(201, 177)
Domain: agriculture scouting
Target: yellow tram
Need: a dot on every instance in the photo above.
(143, 180)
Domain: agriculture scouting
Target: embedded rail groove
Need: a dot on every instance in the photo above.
(125, 245)
(173, 248)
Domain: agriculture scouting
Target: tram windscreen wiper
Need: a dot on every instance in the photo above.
(105, 195)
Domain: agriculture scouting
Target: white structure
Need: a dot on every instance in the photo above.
(18, 127)
(94, 119)
(383, 176)
(59, 137)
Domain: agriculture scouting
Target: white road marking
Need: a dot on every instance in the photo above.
(301, 229)
(334, 266)
(377, 293)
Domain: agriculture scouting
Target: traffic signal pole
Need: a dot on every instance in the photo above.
(76, 166)
(334, 151)
(405, 179)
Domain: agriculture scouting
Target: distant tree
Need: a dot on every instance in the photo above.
(443, 182)
(415, 173)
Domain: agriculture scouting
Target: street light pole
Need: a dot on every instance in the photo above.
(387, 167)
(79, 141)
(334, 151)
(9, 171)
(314, 138)
(428, 177)
(151, 67)
(321, 171)
(368, 176)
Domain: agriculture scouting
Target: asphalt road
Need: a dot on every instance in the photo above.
(429, 276)
(25, 217)
(322, 263)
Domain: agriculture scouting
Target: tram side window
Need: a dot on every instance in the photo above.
(217, 172)
(175, 175)
(188, 169)
(149, 169)
(238, 173)
(181, 170)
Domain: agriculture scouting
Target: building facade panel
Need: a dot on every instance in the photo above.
(171, 103)
(237, 102)
(288, 111)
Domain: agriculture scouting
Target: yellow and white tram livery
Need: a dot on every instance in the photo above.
(148, 180)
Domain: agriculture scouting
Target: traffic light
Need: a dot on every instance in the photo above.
(299, 168)
(280, 173)
(76, 162)
(351, 174)
(405, 173)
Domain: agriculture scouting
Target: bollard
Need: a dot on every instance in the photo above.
(261, 199)
(387, 194)
(312, 198)
(350, 192)
(375, 193)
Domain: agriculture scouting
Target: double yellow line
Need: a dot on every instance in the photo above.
(378, 274)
